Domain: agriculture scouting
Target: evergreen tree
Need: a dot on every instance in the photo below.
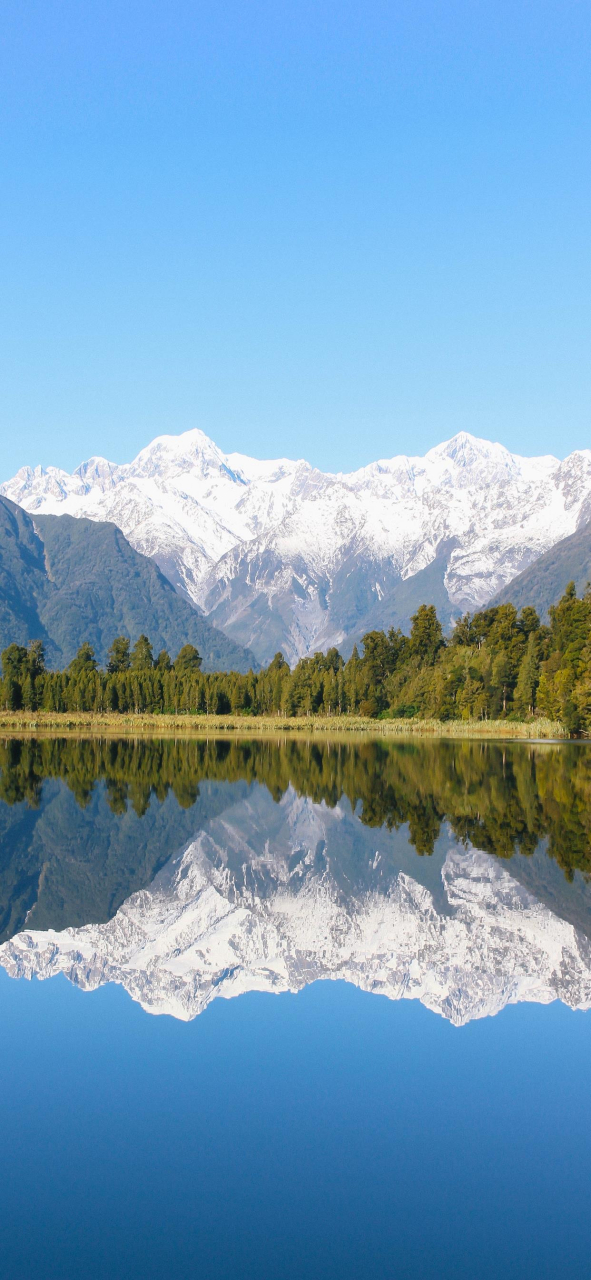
(426, 637)
(14, 662)
(142, 658)
(118, 657)
(29, 700)
(84, 661)
(528, 678)
(501, 683)
(36, 659)
(528, 620)
(278, 664)
(187, 660)
(462, 632)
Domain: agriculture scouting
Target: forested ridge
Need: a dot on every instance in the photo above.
(498, 663)
(64, 580)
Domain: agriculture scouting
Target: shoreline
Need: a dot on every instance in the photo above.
(19, 723)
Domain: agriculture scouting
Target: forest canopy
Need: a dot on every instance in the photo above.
(497, 663)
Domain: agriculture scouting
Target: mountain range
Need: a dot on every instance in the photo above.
(66, 580)
(262, 898)
(279, 555)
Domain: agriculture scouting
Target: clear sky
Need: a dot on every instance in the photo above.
(338, 229)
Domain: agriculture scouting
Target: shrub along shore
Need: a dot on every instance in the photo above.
(501, 673)
(13, 722)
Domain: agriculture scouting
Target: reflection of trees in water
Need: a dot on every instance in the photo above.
(503, 798)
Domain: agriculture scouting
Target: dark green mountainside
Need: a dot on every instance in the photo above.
(65, 580)
(544, 582)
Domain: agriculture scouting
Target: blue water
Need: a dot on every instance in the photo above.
(331, 1134)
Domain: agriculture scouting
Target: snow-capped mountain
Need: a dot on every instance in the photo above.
(270, 897)
(280, 555)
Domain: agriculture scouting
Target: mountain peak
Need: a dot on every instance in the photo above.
(193, 440)
(97, 472)
(188, 443)
(466, 449)
(282, 556)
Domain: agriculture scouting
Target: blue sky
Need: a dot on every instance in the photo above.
(332, 230)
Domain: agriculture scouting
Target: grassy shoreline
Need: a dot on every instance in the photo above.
(26, 722)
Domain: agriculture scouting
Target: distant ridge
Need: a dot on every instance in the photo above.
(66, 580)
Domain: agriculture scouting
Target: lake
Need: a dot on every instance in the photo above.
(295, 1008)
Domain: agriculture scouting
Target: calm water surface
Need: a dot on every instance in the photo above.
(373, 966)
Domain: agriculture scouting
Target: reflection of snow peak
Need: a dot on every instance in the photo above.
(256, 902)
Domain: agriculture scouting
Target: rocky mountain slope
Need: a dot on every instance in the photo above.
(66, 580)
(280, 555)
(270, 897)
(544, 582)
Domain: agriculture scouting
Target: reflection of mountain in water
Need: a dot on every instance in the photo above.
(270, 896)
(503, 798)
(65, 864)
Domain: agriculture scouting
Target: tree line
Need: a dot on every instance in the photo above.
(497, 663)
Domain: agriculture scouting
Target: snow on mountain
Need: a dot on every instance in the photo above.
(281, 555)
(270, 897)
